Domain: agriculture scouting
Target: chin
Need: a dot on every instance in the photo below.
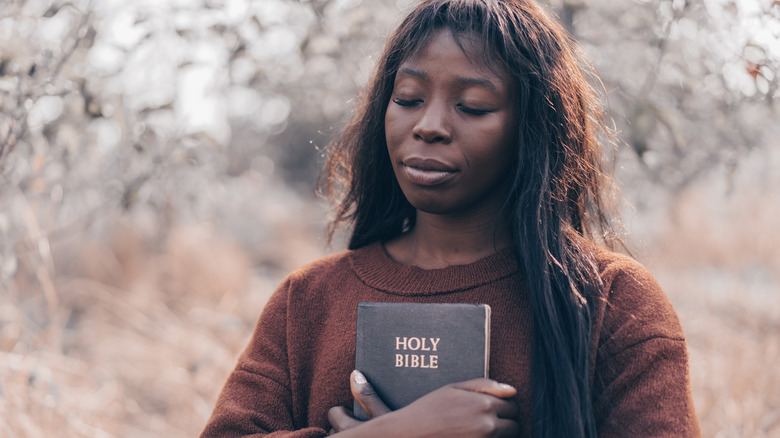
(435, 206)
(431, 206)
(433, 209)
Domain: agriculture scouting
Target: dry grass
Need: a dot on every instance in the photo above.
(135, 337)
(720, 264)
(137, 342)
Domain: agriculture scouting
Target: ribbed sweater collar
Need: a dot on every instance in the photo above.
(374, 266)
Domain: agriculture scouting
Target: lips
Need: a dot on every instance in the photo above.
(427, 172)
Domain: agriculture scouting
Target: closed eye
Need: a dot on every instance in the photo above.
(405, 102)
(474, 111)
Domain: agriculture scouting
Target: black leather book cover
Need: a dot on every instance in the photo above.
(407, 350)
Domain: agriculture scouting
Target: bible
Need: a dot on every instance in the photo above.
(406, 350)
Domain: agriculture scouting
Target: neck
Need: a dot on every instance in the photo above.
(438, 241)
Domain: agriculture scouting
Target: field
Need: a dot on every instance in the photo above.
(720, 265)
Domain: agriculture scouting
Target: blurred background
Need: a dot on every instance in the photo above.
(158, 163)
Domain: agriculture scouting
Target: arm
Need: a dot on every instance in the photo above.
(641, 383)
(256, 399)
(475, 408)
(645, 392)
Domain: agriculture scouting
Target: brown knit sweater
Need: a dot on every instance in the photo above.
(297, 364)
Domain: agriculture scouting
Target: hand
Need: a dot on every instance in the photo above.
(342, 418)
(474, 408)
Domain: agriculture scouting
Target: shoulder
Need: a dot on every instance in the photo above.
(641, 383)
(304, 286)
(634, 307)
(324, 266)
(324, 273)
(312, 275)
(625, 279)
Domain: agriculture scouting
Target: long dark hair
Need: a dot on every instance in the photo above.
(558, 204)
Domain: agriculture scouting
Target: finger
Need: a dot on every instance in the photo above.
(506, 409)
(341, 419)
(499, 395)
(488, 386)
(507, 428)
(366, 396)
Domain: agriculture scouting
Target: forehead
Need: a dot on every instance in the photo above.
(445, 51)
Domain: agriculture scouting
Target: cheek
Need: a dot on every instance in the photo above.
(394, 129)
(501, 139)
(499, 154)
(509, 138)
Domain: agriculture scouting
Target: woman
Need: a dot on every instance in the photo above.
(472, 174)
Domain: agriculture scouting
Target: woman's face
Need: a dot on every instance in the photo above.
(450, 129)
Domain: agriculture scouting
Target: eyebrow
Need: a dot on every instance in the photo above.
(463, 81)
(479, 82)
(414, 72)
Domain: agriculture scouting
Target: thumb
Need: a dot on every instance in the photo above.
(366, 396)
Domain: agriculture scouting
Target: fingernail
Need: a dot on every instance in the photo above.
(506, 387)
(360, 379)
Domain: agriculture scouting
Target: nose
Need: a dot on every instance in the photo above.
(433, 125)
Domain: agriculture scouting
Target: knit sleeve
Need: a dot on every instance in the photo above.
(641, 381)
(256, 399)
